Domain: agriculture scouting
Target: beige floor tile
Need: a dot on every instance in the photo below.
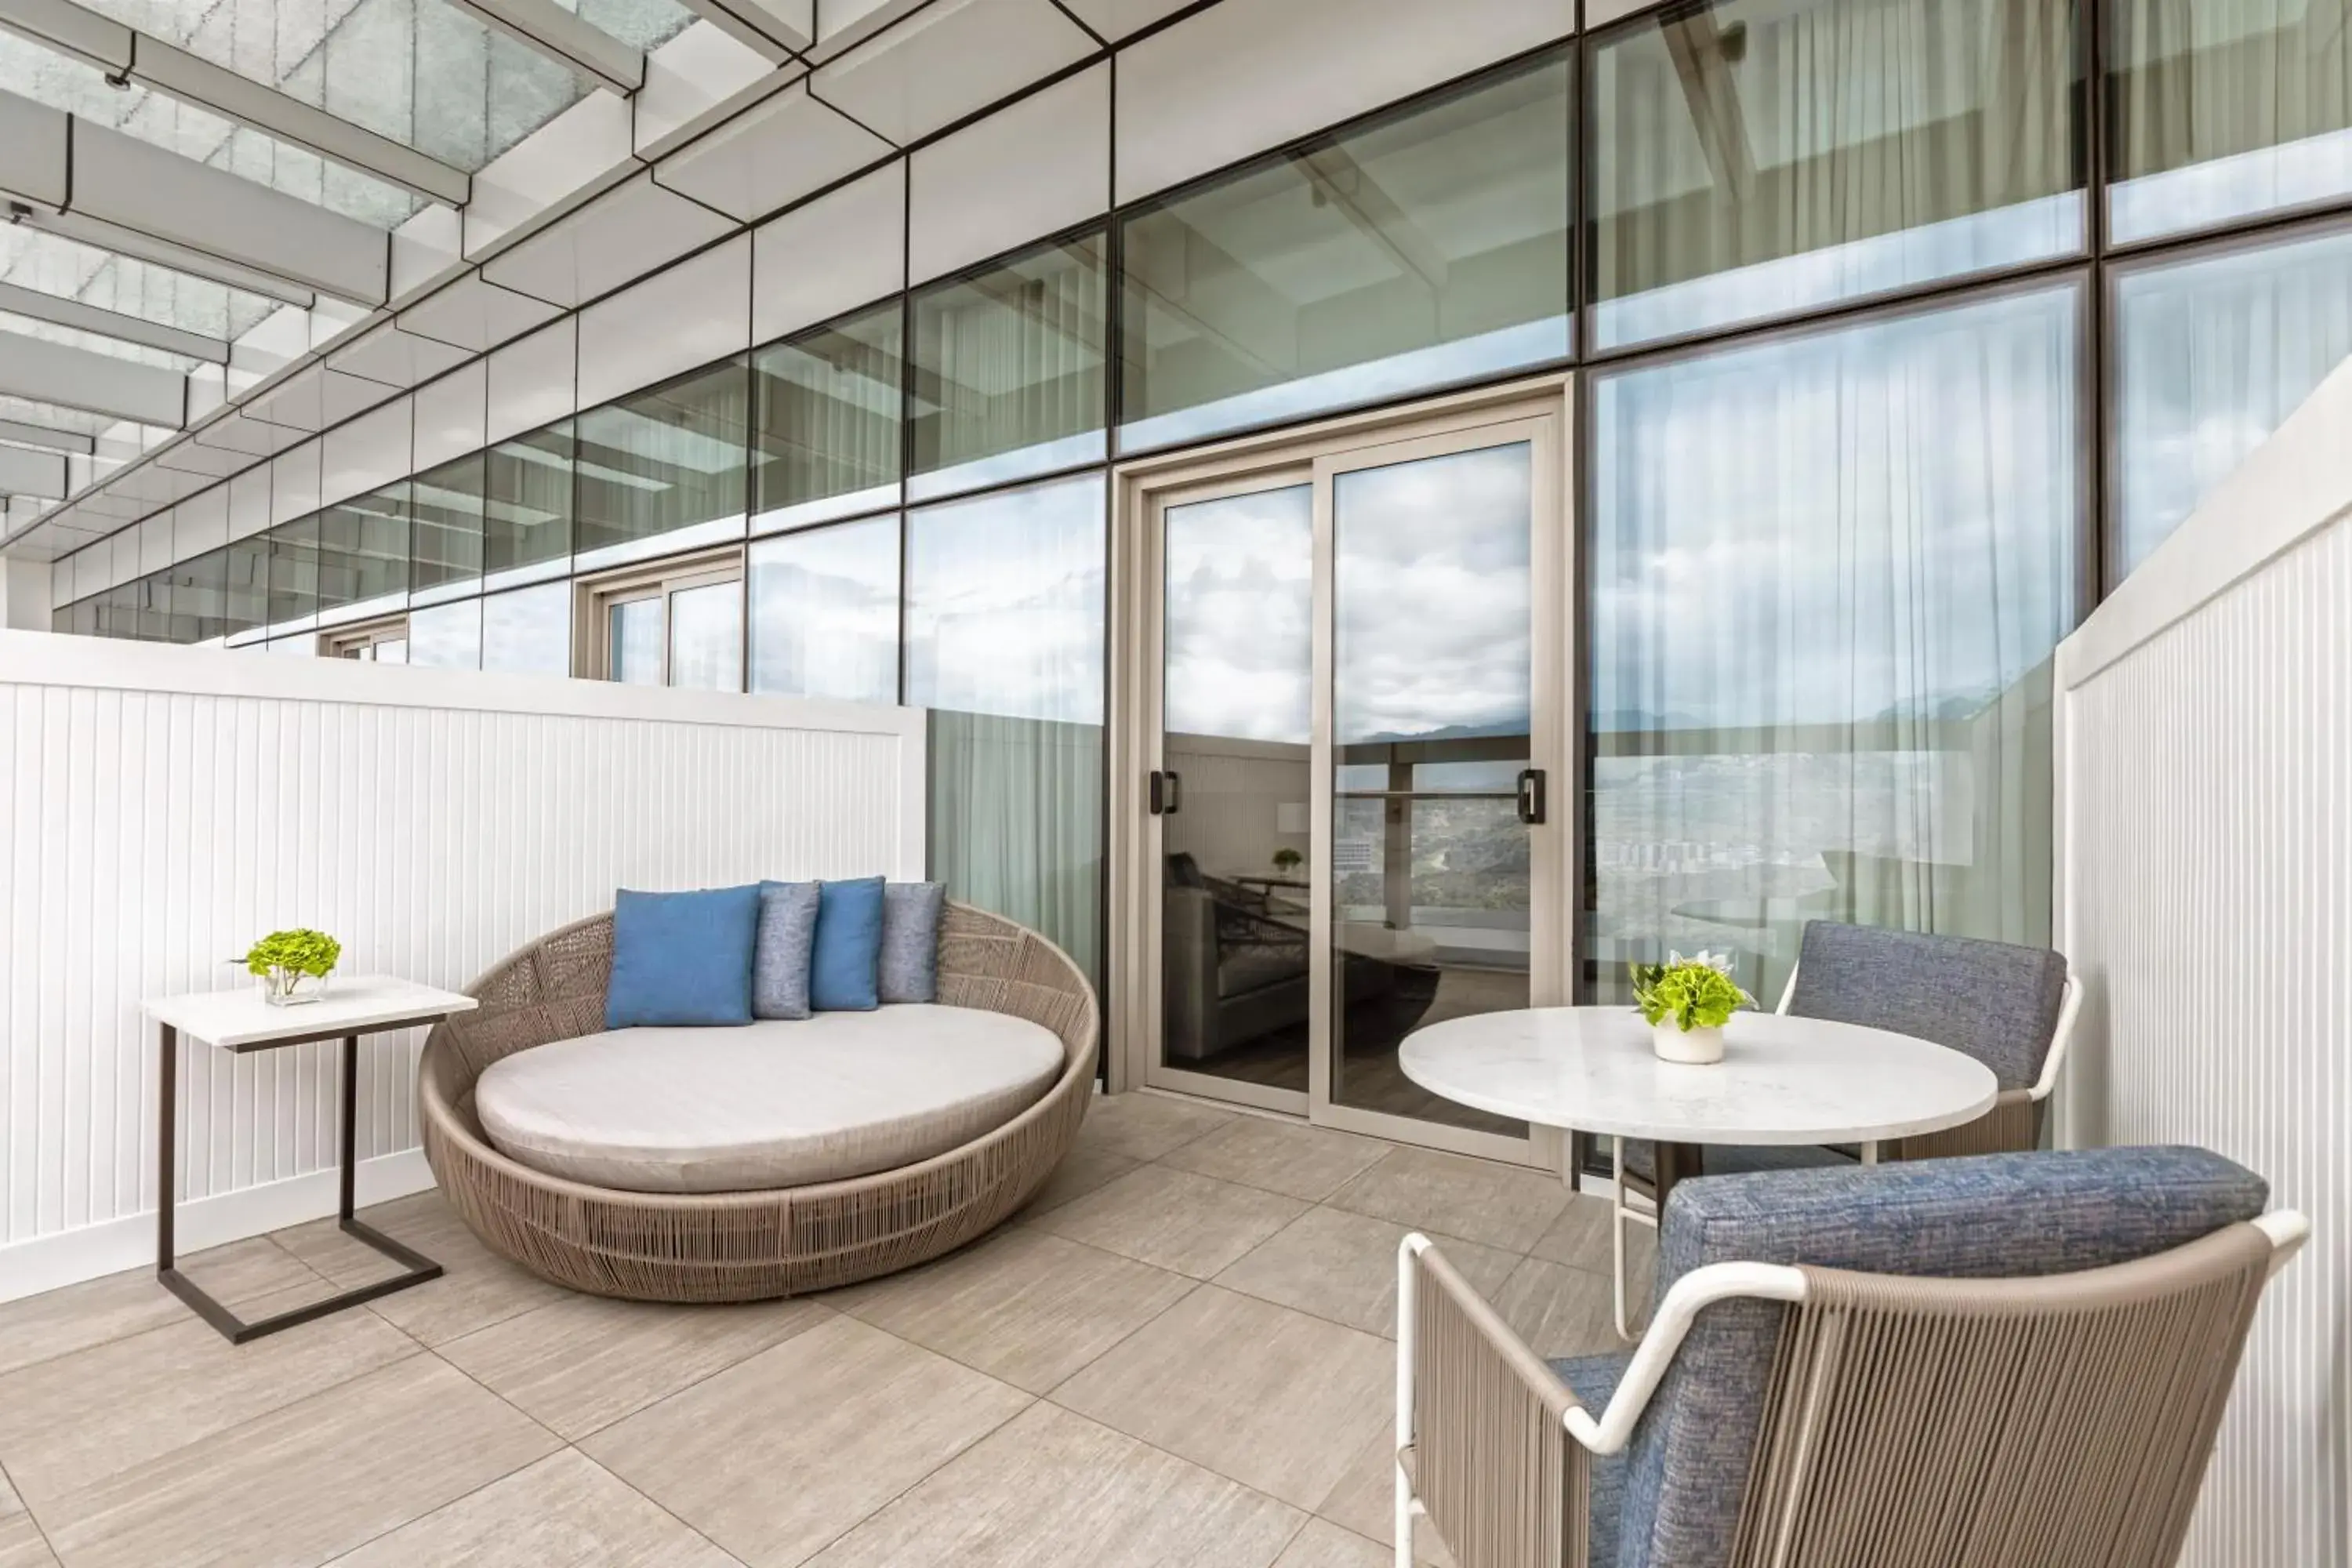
(1343, 1267)
(22, 1544)
(478, 1288)
(80, 1316)
(1022, 1305)
(1479, 1200)
(69, 1423)
(774, 1458)
(585, 1362)
(1080, 1172)
(1559, 1310)
(1174, 1219)
(1364, 1502)
(1273, 1398)
(1579, 1239)
(1141, 1126)
(1323, 1544)
(565, 1511)
(305, 1482)
(1309, 1162)
(1053, 1490)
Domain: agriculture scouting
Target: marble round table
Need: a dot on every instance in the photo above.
(1782, 1081)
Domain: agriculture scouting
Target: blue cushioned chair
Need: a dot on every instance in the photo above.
(1997, 1359)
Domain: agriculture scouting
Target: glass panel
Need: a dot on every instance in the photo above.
(2226, 108)
(828, 418)
(1005, 641)
(528, 632)
(197, 593)
(1885, 536)
(1757, 157)
(1008, 370)
(1430, 666)
(633, 634)
(34, 259)
(665, 459)
(1428, 248)
(36, 73)
(392, 650)
(363, 548)
(706, 637)
(825, 613)
(2212, 355)
(419, 72)
(446, 518)
(527, 499)
(293, 570)
(1236, 712)
(446, 637)
(248, 579)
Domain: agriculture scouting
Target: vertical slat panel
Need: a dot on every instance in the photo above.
(2209, 902)
(154, 831)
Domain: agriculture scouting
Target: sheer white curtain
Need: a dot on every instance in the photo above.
(2213, 355)
(1827, 577)
(1004, 643)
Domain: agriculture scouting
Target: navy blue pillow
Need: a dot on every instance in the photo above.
(846, 966)
(682, 958)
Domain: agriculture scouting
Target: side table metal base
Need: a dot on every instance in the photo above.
(417, 1267)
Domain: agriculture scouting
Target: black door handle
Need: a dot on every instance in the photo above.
(1167, 794)
(1531, 796)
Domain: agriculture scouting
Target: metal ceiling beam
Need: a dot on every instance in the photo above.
(126, 54)
(40, 475)
(92, 381)
(564, 38)
(114, 186)
(18, 301)
(26, 435)
(776, 28)
(140, 247)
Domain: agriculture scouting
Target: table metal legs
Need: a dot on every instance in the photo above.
(417, 1268)
(1669, 1164)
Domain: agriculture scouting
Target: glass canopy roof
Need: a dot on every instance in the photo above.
(52, 264)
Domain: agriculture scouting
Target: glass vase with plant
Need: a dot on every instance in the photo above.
(1686, 1002)
(293, 965)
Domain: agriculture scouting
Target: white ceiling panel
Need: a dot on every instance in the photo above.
(1246, 74)
(476, 315)
(770, 155)
(387, 354)
(294, 483)
(200, 523)
(1114, 19)
(533, 382)
(451, 415)
(249, 503)
(947, 60)
(620, 236)
(1031, 169)
(697, 311)
(366, 454)
(25, 473)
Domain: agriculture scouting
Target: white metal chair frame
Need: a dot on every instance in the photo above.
(1694, 1292)
(1622, 1212)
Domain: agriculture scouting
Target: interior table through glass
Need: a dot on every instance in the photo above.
(1782, 1081)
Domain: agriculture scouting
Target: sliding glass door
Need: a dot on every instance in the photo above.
(1347, 683)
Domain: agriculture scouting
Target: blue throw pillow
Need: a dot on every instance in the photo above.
(682, 958)
(911, 941)
(845, 970)
(780, 965)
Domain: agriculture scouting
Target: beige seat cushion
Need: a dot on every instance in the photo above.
(771, 1104)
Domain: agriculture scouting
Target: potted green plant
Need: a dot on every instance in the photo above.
(293, 965)
(1286, 861)
(1686, 1002)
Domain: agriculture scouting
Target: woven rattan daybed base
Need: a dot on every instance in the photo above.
(744, 1247)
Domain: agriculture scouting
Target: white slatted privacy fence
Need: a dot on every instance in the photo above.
(165, 806)
(2205, 810)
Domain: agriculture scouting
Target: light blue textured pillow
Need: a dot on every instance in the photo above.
(845, 967)
(780, 962)
(682, 958)
(911, 941)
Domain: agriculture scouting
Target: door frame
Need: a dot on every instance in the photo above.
(1140, 488)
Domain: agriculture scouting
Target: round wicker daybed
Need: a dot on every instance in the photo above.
(748, 1246)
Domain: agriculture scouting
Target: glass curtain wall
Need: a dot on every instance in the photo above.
(1758, 157)
(1007, 370)
(1826, 576)
(825, 612)
(1004, 607)
(662, 469)
(527, 507)
(1427, 248)
(827, 420)
(364, 550)
(445, 506)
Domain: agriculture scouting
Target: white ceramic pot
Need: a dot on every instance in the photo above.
(1697, 1048)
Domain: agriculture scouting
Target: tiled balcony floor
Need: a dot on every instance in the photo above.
(1177, 1355)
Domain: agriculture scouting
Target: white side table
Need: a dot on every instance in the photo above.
(238, 1020)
